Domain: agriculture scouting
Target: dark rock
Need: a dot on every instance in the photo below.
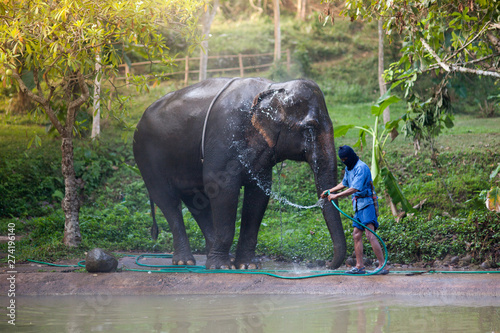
(454, 260)
(465, 261)
(350, 262)
(485, 265)
(467, 258)
(98, 260)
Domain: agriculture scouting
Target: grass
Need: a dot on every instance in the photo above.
(116, 214)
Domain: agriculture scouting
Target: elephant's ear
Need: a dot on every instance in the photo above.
(261, 120)
(266, 93)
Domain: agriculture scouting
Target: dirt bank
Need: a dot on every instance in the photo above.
(134, 283)
(37, 279)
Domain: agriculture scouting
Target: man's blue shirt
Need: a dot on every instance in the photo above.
(359, 178)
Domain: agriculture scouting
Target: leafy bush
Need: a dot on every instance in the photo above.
(418, 238)
(42, 238)
(115, 214)
(28, 181)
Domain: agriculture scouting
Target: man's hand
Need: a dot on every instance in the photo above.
(333, 196)
(328, 194)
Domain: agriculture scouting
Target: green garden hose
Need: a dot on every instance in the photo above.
(203, 270)
(386, 256)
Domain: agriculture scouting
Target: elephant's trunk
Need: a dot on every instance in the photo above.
(324, 165)
(332, 219)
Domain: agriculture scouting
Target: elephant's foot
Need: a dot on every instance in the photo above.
(219, 262)
(253, 263)
(183, 259)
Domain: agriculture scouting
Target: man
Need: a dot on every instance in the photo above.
(359, 184)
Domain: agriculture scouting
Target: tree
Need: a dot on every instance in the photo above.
(383, 90)
(277, 31)
(442, 37)
(96, 116)
(301, 10)
(56, 42)
(206, 23)
(381, 68)
(445, 35)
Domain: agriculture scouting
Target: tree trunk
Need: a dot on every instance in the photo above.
(207, 19)
(277, 31)
(301, 9)
(381, 82)
(96, 120)
(259, 9)
(71, 202)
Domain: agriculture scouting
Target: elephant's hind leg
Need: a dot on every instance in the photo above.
(171, 207)
(199, 206)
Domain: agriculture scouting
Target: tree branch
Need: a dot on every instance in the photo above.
(474, 71)
(75, 104)
(45, 103)
(485, 27)
(85, 92)
(455, 68)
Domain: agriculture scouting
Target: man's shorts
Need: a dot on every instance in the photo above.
(366, 216)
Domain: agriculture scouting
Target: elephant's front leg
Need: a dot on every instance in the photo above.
(254, 206)
(224, 206)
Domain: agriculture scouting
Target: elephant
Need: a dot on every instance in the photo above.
(201, 144)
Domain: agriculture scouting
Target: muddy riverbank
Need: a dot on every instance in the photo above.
(38, 279)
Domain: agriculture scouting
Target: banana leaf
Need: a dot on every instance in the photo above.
(342, 130)
(383, 102)
(391, 184)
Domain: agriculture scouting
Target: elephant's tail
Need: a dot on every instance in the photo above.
(154, 228)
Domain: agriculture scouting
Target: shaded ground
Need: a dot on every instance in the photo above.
(39, 279)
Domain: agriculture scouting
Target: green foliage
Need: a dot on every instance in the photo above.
(28, 180)
(418, 238)
(424, 121)
(115, 213)
(443, 42)
(31, 182)
(42, 238)
(117, 228)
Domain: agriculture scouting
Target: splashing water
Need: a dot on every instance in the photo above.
(276, 195)
(242, 152)
(320, 203)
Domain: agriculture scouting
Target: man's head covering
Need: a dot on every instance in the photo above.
(346, 152)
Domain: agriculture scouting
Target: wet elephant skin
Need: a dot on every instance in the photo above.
(188, 154)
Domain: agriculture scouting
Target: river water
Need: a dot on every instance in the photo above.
(253, 313)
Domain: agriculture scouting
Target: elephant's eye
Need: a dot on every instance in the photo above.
(309, 133)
